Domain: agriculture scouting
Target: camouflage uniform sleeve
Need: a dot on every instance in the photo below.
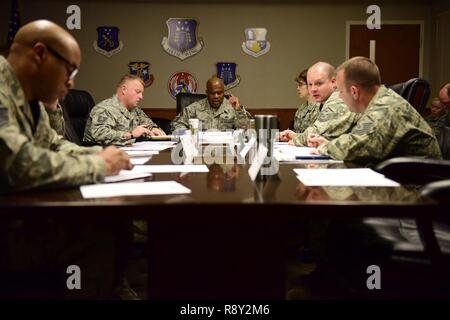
(375, 140)
(300, 139)
(24, 165)
(56, 120)
(100, 129)
(242, 118)
(334, 120)
(144, 119)
(181, 121)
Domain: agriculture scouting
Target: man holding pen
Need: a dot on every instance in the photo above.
(118, 120)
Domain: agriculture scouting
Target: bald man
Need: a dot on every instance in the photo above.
(334, 117)
(389, 126)
(41, 67)
(118, 120)
(214, 112)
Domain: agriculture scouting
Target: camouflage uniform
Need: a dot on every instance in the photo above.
(437, 122)
(222, 118)
(306, 115)
(31, 153)
(390, 127)
(56, 118)
(333, 120)
(110, 122)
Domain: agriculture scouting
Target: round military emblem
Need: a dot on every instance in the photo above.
(181, 82)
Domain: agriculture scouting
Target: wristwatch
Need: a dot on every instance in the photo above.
(131, 135)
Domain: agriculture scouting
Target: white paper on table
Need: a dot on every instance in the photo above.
(155, 147)
(125, 175)
(141, 153)
(132, 189)
(216, 137)
(257, 162)
(362, 177)
(139, 161)
(171, 168)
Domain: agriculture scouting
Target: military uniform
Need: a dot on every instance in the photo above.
(333, 120)
(306, 115)
(222, 118)
(31, 153)
(437, 122)
(56, 119)
(110, 122)
(389, 127)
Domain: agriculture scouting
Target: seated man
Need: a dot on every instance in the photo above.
(308, 111)
(389, 126)
(118, 120)
(334, 118)
(41, 66)
(214, 112)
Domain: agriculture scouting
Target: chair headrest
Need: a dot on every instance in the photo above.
(78, 103)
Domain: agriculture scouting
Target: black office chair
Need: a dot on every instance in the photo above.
(164, 124)
(77, 106)
(184, 99)
(409, 170)
(416, 91)
(413, 254)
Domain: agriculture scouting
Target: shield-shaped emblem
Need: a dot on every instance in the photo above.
(227, 72)
(182, 40)
(181, 82)
(256, 44)
(108, 42)
(141, 69)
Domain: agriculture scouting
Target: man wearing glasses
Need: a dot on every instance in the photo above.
(41, 67)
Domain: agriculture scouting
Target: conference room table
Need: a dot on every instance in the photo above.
(226, 239)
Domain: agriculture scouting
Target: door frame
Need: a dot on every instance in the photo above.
(349, 23)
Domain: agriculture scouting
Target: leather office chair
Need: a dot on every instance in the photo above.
(164, 124)
(416, 91)
(77, 106)
(184, 99)
(409, 170)
(413, 254)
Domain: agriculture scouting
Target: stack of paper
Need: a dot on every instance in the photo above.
(132, 189)
(344, 177)
(125, 175)
(171, 168)
(216, 137)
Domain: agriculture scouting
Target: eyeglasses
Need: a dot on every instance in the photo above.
(73, 68)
